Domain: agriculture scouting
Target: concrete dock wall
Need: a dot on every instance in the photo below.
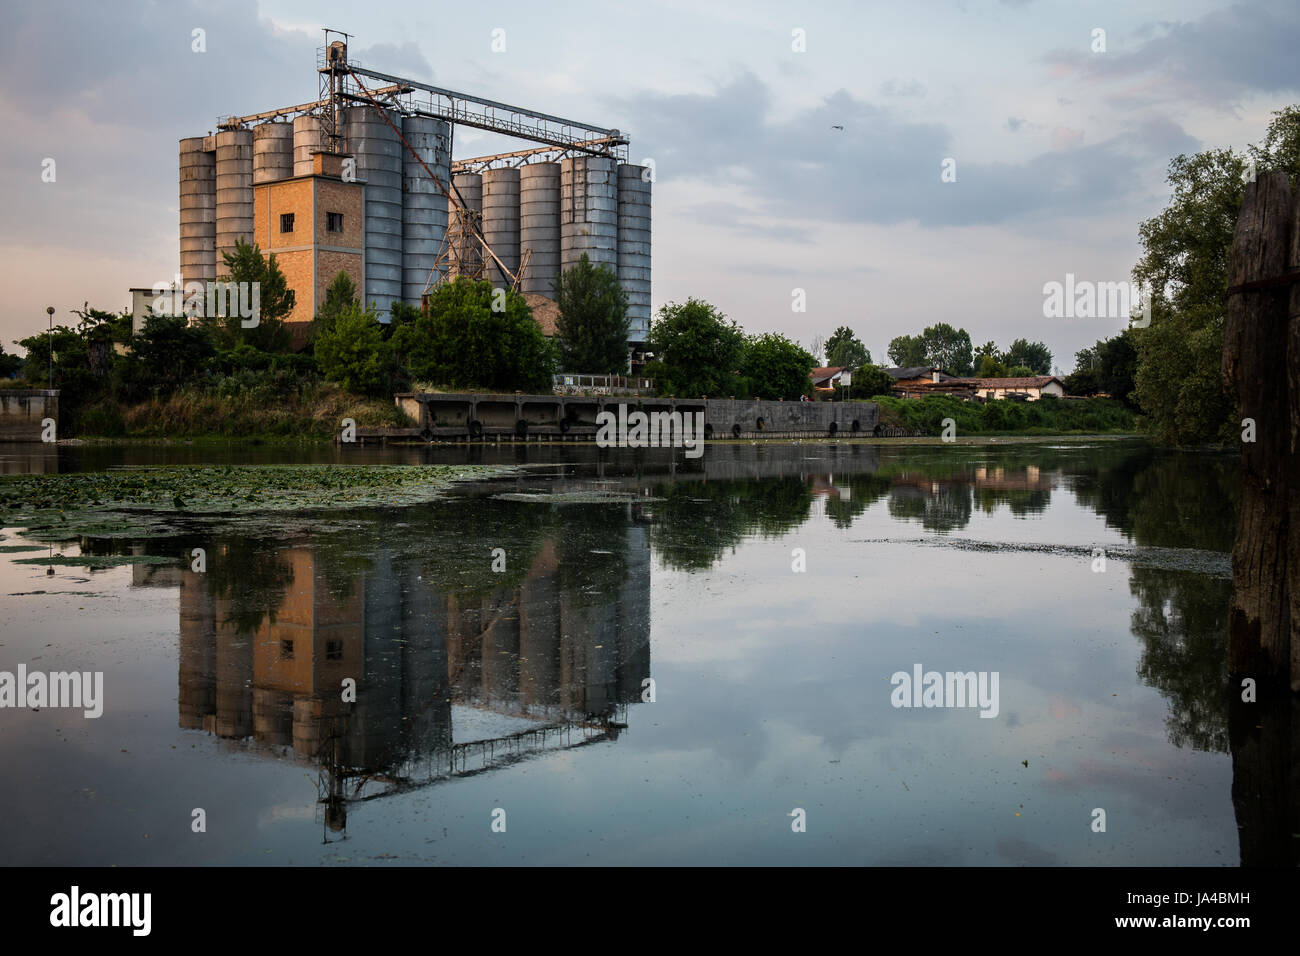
(450, 415)
(23, 409)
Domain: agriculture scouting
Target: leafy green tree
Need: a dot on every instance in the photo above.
(947, 348)
(1185, 259)
(990, 349)
(1109, 366)
(845, 350)
(593, 323)
(1034, 355)
(697, 351)
(907, 351)
(869, 380)
(275, 301)
(776, 367)
(167, 353)
(461, 342)
(354, 352)
(989, 366)
(340, 297)
(1020, 371)
(9, 364)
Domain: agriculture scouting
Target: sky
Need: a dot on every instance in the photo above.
(1056, 149)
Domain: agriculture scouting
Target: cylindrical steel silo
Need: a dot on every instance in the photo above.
(588, 211)
(501, 221)
(272, 152)
(466, 252)
(308, 138)
(198, 202)
(634, 247)
(539, 225)
(234, 206)
(424, 205)
(378, 153)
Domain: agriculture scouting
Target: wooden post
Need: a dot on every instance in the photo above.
(1261, 368)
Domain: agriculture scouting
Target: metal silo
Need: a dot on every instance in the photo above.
(198, 202)
(234, 206)
(308, 138)
(272, 152)
(466, 254)
(424, 205)
(588, 211)
(378, 153)
(634, 247)
(539, 225)
(501, 220)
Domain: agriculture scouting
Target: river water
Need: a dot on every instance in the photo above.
(640, 659)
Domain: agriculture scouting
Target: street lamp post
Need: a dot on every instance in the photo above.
(49, 310)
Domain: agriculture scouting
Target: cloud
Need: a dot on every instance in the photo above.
(1216, 61)
(882, 168)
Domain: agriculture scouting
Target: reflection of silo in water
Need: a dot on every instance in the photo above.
(539, 226)
(539, 633)
(234, 678)
(465, 256)
(425, 693)
(634, 616)
(196, 696)
(500, 650)
(501, 221)
(586, 671)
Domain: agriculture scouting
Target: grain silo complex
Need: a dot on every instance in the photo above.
(363, 180)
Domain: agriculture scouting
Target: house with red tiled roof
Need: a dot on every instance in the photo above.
(1029, 388)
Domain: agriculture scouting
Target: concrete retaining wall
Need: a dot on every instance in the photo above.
(23, 409)
(459, 414)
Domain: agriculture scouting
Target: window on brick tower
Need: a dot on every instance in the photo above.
(334, 221)
(286, 222)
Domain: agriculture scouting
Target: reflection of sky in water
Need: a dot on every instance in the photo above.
(772, 693)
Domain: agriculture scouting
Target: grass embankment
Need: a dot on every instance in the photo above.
(1047, 416)
(312, 413)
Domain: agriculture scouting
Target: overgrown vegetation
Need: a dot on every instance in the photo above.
(1047, 416)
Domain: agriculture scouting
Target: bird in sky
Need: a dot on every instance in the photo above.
(837, 127)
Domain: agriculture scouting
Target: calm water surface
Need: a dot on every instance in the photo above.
(524, 689)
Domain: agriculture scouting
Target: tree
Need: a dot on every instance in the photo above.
(593, 323)
(907, 351)
(947, 348)
(275, 301)
(340, 297)
(1034, 355)
(1185, 259)
(817, 349)
(460, 341)
(1109, 366)
(1020, 371)
(845, 350)
(871, 380)
(989, 366)
(9, 364)
(697, 350)
(354, 352)
(990, 349)
(166, 354)
(776, 367)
